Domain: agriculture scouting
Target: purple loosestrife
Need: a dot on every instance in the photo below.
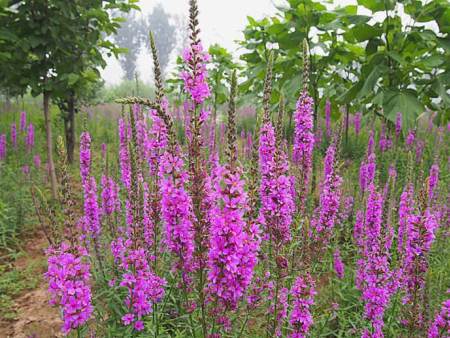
(327, 212)
(358, 229)
(405, 216)
(318, 136)
(23, 121)
(68, 276)
(420, 145)
(144, 288)
(2, 147)
(367, 169)
(303, 143)
(147, 220)
(249, 145)
(124, 156)
(110, 196)
(328, 118)
(433, 181)
(302, 294)
(104, 151)
(280, 303)
(233, 244)
(176, 208)
(416, 229)
(398, 125)
(232, 255)
(37, 161)
(339, 267)
(26, 170)
(357, 123)
(277, 204)
(374, 277)
(85, 156)
(91, 210)
(385, 142)
(411, 137)
(156, 141)
(29, 138)
(14, 135)
(195, 80)
(440, 327)
(347, 209)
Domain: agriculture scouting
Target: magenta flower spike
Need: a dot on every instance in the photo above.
(29, 138)
(398, 125)
(85, 156)
(124, 156)
(326, 214)
(2, 147)
(302, 294)
(177, 212)
(23, 121)
(441, 324)
(339, 267)
(68, 276)
(195, 80)
(304, 141)
(14, 135)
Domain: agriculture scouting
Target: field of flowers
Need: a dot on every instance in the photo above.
(177, 225)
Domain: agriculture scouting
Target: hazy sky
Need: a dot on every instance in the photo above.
(220, 21)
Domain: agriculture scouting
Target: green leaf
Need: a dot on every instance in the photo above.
(433, 61)
(377, 5)
(371, 80)
(405, 102)
(363, 32)
(72, 79)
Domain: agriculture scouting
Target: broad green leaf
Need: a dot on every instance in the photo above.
(405, 101)
(364, 32)
(377, 5)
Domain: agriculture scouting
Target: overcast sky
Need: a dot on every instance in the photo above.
(221, 21)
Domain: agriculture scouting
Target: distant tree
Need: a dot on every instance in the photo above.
(158, 21)
(181, 27)
(131, 35)
(55, 57)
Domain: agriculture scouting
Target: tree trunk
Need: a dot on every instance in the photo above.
(69, 129)
(347, 121)
(48, 130)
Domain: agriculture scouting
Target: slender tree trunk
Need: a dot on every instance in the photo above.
(69, 129)
(48, 130)
(7, 103)
(347, 121)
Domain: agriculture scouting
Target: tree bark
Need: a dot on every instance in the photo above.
(69, 129)
(347, 121)
(48, 130)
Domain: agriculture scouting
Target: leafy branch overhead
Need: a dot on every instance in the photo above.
(392, 57)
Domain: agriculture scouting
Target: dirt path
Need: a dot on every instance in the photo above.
(35, 317)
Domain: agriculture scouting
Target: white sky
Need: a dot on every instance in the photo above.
(221, 21)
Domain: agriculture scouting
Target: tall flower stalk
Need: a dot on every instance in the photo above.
(303, 136)
(375, 278)
(196, 86)
(302, 293)
(233, 246)
(326, 214)
(417, 227)
(68, 273)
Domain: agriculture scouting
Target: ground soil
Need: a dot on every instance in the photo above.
(35, 317)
